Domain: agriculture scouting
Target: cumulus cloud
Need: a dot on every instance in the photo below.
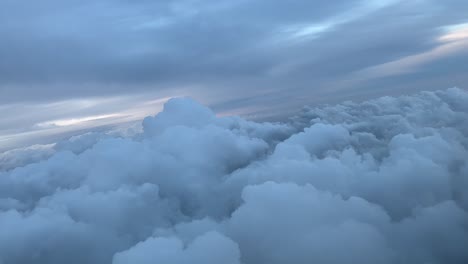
(382, 181)
(209, 248)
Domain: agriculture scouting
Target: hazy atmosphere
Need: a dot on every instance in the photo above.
(233, 132)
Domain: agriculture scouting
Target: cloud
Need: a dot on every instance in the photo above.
(62, 74)
(300, 225)
(381, 181)
(208, 248)
(236, 49)
(23, 156)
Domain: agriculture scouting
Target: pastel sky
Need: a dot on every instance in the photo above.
(69, 66)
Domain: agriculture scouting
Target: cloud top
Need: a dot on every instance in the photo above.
(382, 181)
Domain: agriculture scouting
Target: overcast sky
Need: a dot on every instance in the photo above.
(75, 64)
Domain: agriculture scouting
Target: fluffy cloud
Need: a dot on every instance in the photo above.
(382, 181)
(210, 248)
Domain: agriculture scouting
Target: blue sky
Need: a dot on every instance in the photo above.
(68, 66)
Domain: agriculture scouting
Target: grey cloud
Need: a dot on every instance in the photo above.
(382, 181)
(235, 47)
(221, 250)
(23, 156)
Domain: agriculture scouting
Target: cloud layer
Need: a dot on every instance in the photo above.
(70, 66)
(383, 181)
(238, 50)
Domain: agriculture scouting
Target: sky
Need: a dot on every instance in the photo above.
(73, 66)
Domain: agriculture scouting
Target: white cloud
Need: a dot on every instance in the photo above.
(382, 181)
